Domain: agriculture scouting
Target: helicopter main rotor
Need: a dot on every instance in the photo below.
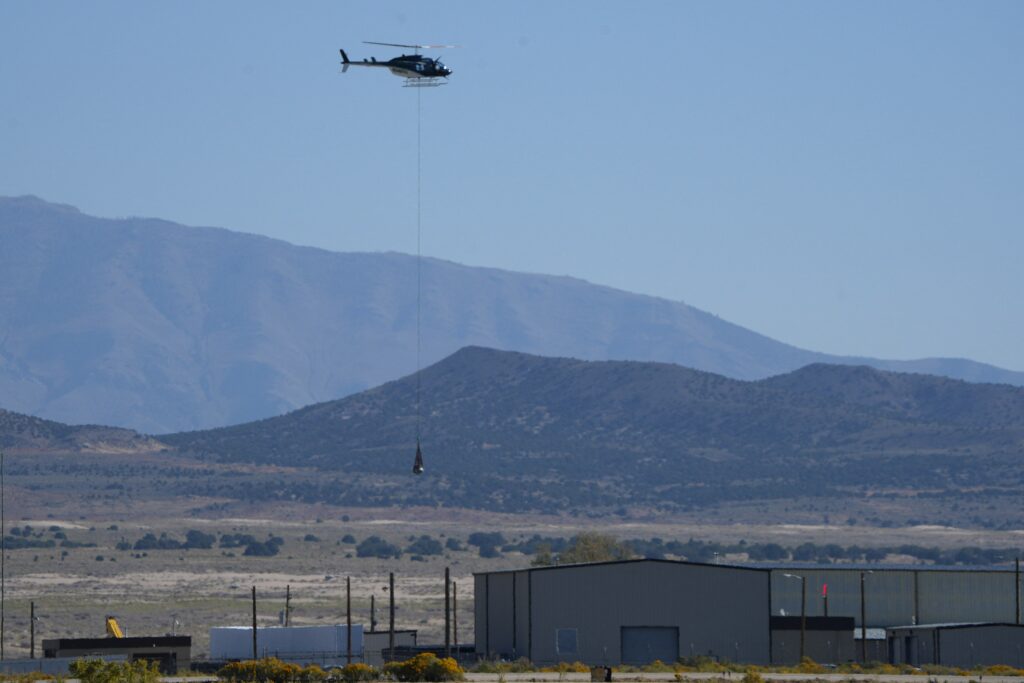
(414, 47)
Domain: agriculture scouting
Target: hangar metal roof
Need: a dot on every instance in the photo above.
(620, 562)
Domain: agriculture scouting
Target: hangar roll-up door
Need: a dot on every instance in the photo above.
(644, 644)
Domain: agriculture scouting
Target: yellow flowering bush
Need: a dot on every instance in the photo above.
(98, 671)
(425, 666)
(356, 673)
(271, 670)
(568, 667)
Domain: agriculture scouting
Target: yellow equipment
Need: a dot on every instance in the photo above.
(113, 628)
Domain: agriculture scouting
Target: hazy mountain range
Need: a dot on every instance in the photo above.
(160, 327)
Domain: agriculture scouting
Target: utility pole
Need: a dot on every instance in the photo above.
(255, 654)
(348, 619)
(863, 625)
(3, 557)
(391, 617)
(32, 630)
(803, 616)
(1016, 588)
(803, 611)
(447, 613)
(373, 613)
(288, 605)
(455, 616)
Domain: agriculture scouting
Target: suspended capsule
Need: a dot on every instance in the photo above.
(417, 465)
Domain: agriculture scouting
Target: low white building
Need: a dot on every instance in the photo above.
(323, 645)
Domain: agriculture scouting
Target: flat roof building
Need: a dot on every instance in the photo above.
(172, 653)
(959, 645)
(325, 645)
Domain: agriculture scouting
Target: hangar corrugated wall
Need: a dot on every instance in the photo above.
(900, 597)
(962, 645)
(590, 612)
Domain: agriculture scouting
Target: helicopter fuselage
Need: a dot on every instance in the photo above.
(417, 66)
(405, 66)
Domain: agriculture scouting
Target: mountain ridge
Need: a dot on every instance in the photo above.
(29, 434)
(517, 432)
(160, 327)
(512, 432)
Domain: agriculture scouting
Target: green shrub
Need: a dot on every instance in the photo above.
(98, 671)
(809, 666)
(375, 546)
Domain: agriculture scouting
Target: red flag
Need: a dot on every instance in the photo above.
(824, 590)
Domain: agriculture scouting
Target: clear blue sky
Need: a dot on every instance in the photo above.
(847, 177)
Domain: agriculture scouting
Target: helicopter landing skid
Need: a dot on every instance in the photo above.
(424, 82)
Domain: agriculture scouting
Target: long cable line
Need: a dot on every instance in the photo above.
(419, 269)
(417, 466)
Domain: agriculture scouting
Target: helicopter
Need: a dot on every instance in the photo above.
(417, 70)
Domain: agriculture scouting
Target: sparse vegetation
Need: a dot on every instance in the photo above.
(488, 666)
(375, 546)
(268, 548)
(425, 545)
(197, 539)
(591, 546)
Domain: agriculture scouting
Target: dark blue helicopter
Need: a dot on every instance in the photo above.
(417, 70)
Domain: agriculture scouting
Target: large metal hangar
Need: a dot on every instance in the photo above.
(624, 612)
